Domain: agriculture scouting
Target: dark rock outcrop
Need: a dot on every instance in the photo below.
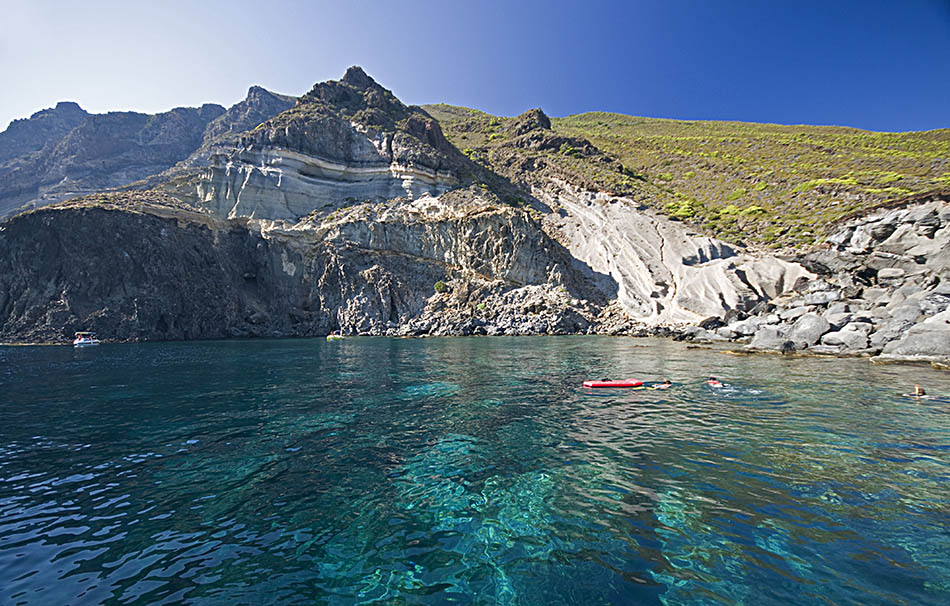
(141, 268)
(42, 128)
(102, 152)
(531, 120)
(64, 152)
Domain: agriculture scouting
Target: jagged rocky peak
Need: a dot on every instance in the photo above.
(256, 92)
(331, 108)
(33, 133)
(259, 97)
(354, 93)
(359, 98)
(532, 130)
(348, 139)
(355, 76)
(533, 119)
(64, 108)
(259, 105)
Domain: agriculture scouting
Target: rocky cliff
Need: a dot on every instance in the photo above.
(64, 152)
(352, 211)
(658, 271)
(45, 126)
(166, 271)
(350, 140)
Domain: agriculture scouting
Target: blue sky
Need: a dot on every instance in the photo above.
(879, 65)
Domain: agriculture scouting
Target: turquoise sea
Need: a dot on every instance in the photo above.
(467, 471)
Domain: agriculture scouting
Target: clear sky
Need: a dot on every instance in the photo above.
(874, 64)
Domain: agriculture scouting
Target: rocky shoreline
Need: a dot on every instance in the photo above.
(878, 287)
(352, 212)
(882, 290)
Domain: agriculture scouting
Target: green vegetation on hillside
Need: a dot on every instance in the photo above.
(763, 184)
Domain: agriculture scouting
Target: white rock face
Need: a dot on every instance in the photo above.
(657, 269)
(276, 183)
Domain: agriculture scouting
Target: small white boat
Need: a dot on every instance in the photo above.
(333, 337)
(85, 339)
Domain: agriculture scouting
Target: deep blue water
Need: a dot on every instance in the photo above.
(466, 471)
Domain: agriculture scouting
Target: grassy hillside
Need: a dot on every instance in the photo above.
(764, 184)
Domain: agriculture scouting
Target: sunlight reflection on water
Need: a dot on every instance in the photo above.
(471, 471)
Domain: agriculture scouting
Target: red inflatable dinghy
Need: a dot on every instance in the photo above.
(618, 383)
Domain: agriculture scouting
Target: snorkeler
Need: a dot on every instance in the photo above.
(917, 393)
(713, 382)
(664, 385)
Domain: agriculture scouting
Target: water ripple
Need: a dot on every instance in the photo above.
(466, 471)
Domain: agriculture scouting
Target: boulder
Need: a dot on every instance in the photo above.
(838, 307)
(882, 231)
(711, 323)
(733, 315)
(847, 339)
(726, 332)
(899, 241)
(876, 296)
(823, 348)
(928, 340)
(907, 312)
(840, 238)
(801, 285)
(849, 286)
(861, 327)
(879, 260)
(897, 298)
(770, 338)
(808, 329)
(889, 331)
(837, 321)
(860, 240)
(746, 328)
(890, 274)
(927, 226)
(793, 313)
(934, 303)
(695, 333)
(924, 343)
(822, 297)
(915, 215)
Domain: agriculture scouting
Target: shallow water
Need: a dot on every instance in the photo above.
(467, 471)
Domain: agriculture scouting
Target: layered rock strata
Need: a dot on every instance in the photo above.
(351, 211)
(345, 142)
(166, 272)
(658, 271)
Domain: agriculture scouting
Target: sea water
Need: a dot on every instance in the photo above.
(467, 471)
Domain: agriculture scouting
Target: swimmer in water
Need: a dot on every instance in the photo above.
(919, 394)
(664, 385)
(713, 382)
